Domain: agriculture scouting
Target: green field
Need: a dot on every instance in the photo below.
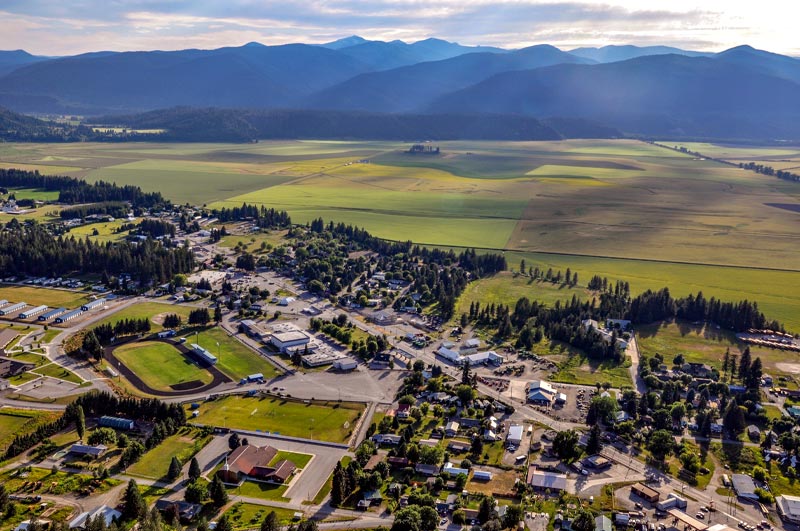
(57, 371)
(160, 365)
(299, 460)
(34, 193)
(575, 367)
(263, 491)
(16, 421)
(619, 208)
(106, 231)
(155, 311)
(249, 516)
(327, 422)
(36, 296)
(234, 359)
(183, 445)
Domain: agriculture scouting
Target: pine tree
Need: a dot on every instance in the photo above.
(224, 524)
(744, 364)
(270, 522)
(80, 422)
(337, 485)
(135, 507)
(194, 470)
(174, 469)
(593, 443)
(217, 492)
(217, 313)
(726, 361)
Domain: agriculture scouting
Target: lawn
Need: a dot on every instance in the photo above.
(183, 445)
(252, 242)
(327, 421)
(235, 359)
(249, 515)
(155, 311)
(14, 422)
(37, 194)
(55, 483)
(160, 365)
(106, 231)
(36, 296)
(263, 491)
(299, 460)
(574, 367)
(57, 371)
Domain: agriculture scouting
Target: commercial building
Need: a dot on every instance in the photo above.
(13, 308)
(51, 314)
(118, 423)
(541, 392)
(68, 316)
(85, 449)
(253, 462)
(290, 340)
(254, 330)
(788, 508)
(541, 480)
(345, 364)
(93, 304)
(27, 314)
(203, 354)
(645, 492)
(514, 437)
(744, 486)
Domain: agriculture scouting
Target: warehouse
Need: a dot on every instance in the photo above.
(69, 316)
(13, 308)
(203, 354)
(51, 314)
(482, 475)
(3, 302)
(93, 304)
(33, 311)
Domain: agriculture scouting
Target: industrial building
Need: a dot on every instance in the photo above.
(744, 486)
(481, 358)
(33, 311)
(52, 313)
(68, 316)
(3, 302)
(203, 354)
(93, 304)
(13, 308)
(541, 392)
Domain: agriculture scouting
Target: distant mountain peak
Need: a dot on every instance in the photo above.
(254, 44)
(345, 42)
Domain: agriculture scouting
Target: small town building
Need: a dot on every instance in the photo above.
(254, 463)
(788, 508)
(541, 392)
(118, 423)
(645, 492)
(744, 486)
(87, 450)
(541, 480)
(451, 429)
(514, 436)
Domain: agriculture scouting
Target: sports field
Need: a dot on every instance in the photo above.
(155, 311)
(234, 359)
(160, 365)
(620, 208)
(329, 421)
(36, 296)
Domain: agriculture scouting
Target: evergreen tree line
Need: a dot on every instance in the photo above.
(155, 228)
(199, 316)
(124, 327)
(557, 277)
(73, 191)
(32, 250)
(115, 209)
(769, 170)
(267, 218)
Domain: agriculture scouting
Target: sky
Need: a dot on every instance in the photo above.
(50, 27)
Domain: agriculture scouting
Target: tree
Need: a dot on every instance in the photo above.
(91, 346)
(217, 492)
(584, 521)
(593, 443)
(565, 444)
(3, 499)
(270, 522)
(734, 419)
(465, 393)
(224, 524)
(459, 517)
(476, 448)
(514, 515)
(407, 519)
(217, 313)
(461, 481)
(196, 492)
(80, 422)
(429, 518)
(744, 364)
(661, 444)
(234, 441)
(338, 485)
(486, 509)
(466, 377)
(174, 469)
(135, 507)
(753, 378)
(194, 470)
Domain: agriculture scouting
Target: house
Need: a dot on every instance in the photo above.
(428, 442)
(458, 446)
(489, 435)
(753, 432)
(541, 392)
(744, 486)
(621, 416)
(448, 468)
(387, 439)
(597, 462)
(471, 515)
(186, 511)
(472, 343)
(541, 480)
(645, 492)
(403, 411)
(39, 523)
(467, 423)
(373, 462)
(91, 451)
(426, 470)
(451, 430)
(702, 370)
(398, 462)
(105, 512)
(788, 508)
(373, 497)
(603, 523)
(254, 462)
(514, 436)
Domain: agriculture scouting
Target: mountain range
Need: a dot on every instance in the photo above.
(740, 93)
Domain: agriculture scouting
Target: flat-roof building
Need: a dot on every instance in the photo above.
(32, 312)
(744, 486)
(788, 508)
(541, 480)
(286, 341)
(68, 316)
(52, 313)
(93, 304)
(645, 492)
(13, 308)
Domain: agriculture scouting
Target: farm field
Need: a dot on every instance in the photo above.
(36, 296)
(183, 445)
(234, 359)
(619, 208)
(706, 344)
(332, 421)
(160, 365)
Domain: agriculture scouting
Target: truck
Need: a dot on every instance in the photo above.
(673, 500)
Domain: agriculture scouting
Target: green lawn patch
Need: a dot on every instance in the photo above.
(36, 296)
(327, 421)
(183, 445)
(299, 460)
(160, 365)
(249, 515)
(57, 371)
(263, 491)
(155, 311)
(55, 483)
(574, 367)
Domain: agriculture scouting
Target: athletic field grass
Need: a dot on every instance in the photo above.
(706, 344)
(329, 421)
(620, 208)
(36, 296)
(160, 365)
(234, 359)
(183, 445)
(155, 311)
(249, 515)
(14, 422)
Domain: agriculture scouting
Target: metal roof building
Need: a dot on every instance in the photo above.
(33, 311)
(93, 304)
(744, 486)
(13, 308)
(203, 354)
(67, 316)
(52, 313)
(789, 508)
(118, 423)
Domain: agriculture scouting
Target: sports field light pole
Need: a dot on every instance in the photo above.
(217, 350)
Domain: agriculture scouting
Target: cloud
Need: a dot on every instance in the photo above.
(73, 26)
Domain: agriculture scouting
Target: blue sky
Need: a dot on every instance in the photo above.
(74, 26)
